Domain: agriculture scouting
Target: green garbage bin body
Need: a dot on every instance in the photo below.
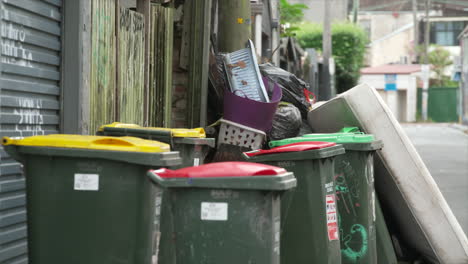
(310, 230)
(193, 150)
(223, 215)
(385, 250)
(91, 206)
(192, 144)
(356, 202)
(193, 147)
(355, 194)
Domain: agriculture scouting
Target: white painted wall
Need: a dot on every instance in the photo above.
(403, 101)
(315, 12)
(382, 24)
(392, 50)
(378, 80)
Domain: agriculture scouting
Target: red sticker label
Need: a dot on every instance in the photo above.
(332, 222)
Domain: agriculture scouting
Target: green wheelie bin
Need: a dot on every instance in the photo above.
(193, 147)
(310, 229)
(226, 212)
(192, 144)
(355, 195)
(89, 199)
(385, 250)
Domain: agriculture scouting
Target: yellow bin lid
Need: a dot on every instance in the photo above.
(127, 144)
(176, 132)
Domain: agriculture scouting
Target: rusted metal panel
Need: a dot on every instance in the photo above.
(103, 69)
(131, 66)
(30, 32)
(161, 47)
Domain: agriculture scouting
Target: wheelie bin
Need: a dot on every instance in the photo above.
(193, 147)
(310, 229)
(355, 195)
(89, 199)
(385, 251)
(192, 144)
(226, 212)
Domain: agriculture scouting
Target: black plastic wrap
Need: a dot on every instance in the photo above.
(287, 122)
(292, 87)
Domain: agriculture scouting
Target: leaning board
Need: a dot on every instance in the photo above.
(405, 186)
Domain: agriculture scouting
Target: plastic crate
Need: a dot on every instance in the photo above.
(239, 135)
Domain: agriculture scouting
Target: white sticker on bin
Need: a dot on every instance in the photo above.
(214, 211)
(86, 182)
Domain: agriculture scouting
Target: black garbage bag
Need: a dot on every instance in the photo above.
(305, 128)
(292, 87)
(287, 122)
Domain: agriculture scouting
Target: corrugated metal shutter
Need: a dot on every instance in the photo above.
(29, 102)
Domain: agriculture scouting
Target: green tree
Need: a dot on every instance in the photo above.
(440, 59)
(291, 14)
(349, 47)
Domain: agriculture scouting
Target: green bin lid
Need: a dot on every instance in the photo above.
(345, 136)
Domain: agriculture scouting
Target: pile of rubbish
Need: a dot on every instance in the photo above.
(258, 103)
(266, 107)
(288, 180)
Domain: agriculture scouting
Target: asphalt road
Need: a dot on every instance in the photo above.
(444, 150)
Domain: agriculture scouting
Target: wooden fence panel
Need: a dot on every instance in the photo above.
(102, 80)
(131, 67)
(161, 47)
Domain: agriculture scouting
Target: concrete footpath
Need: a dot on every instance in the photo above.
(444, 150)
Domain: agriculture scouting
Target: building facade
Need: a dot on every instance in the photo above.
(390, 28)
(315, 12)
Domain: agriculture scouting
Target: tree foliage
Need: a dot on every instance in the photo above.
(291, 14)
(440, 59)
(348, 47)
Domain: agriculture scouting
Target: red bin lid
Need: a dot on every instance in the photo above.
(299, 146)
(222, 169)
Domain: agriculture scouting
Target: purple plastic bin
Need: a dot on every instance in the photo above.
(251, 113)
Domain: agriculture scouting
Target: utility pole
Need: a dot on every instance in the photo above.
(234, 24)
(426, 32)
(325, 88)
(356, 10)
(425, 69)
(415, 30)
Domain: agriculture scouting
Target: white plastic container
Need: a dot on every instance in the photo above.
(239, 135)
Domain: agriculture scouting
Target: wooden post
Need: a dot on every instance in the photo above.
(144, 7)
(426, 33)
(426, 68)
(234, 24)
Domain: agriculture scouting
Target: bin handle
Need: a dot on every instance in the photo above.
(155, 178)
(113, 142)
(7, 141)
(349, 130)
